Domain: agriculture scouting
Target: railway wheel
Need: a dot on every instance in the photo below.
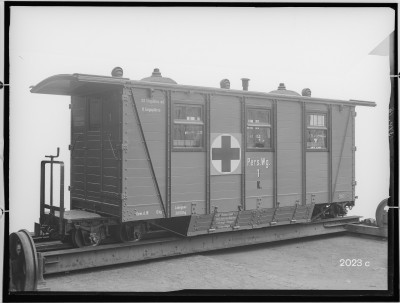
(80, 238)
(381, 214)
(127, 232)
(23, 262)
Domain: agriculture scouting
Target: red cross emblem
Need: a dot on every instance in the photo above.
(225, 154)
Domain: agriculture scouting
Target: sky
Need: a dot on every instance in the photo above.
(324, 49)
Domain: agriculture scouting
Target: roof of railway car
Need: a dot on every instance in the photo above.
(82, 84)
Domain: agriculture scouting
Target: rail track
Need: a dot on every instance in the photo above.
(49, 257)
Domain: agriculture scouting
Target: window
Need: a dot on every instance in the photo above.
(259, 128)
(94, 114)
(188, 126)
(316, 131)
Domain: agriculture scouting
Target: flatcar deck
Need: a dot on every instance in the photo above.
(70, 259)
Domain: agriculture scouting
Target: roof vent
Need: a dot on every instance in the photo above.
(245, 83)
(156, 73)
(117, 72)
(156, 77)
(283, 91)
(306, 92)
(225, 83)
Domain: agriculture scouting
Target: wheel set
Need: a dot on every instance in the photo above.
(23, 262)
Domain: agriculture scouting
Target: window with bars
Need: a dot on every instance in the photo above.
(316, 131)
(188, 126)
(259, 133)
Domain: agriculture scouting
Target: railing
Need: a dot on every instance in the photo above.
(51, 206)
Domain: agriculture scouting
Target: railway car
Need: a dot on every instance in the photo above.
(154, 154)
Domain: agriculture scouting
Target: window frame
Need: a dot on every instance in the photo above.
(325, 128)
(269, 125)
(176, 121)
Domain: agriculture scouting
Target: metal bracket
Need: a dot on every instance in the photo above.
(258, 203)
(293, 220)
(151, 93)
(127, 91)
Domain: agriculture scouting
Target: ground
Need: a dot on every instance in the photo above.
(313, 263)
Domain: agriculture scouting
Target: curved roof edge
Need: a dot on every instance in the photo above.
(76, 84)
(80, 84)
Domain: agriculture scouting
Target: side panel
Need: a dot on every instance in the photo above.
(153, 118)
(225, 118)
(342, 153)
(95, 154)
(289, 146)
(111, 153)
(140, 194)
(188, 183)
(317, 177)
(78, 153)
(188, 165)
(259, 166)
(317, 164)
(259, 180)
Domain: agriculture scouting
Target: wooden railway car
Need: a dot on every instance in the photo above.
(198, 160)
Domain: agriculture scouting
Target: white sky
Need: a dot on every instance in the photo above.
(325, 49)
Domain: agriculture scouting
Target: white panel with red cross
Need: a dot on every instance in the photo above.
(225, 153)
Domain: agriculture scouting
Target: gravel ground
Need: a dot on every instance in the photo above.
(296, 264)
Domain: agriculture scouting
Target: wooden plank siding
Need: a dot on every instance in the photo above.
(342, 153)
(288, 149)
(317, 162)
(95, 183)
(111, 171)
(139, 189)
(188, 173)
(188, 165)
(225, 117)
(256, 167)
(111, 138)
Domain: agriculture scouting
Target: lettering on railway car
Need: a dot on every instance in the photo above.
(152, 105)
(151, 110)
(142, 213)
(181, 213)
(152, 101)
(180, 210)
(258, 162)
(225, 220)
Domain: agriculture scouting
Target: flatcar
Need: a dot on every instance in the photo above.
(154, 154)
